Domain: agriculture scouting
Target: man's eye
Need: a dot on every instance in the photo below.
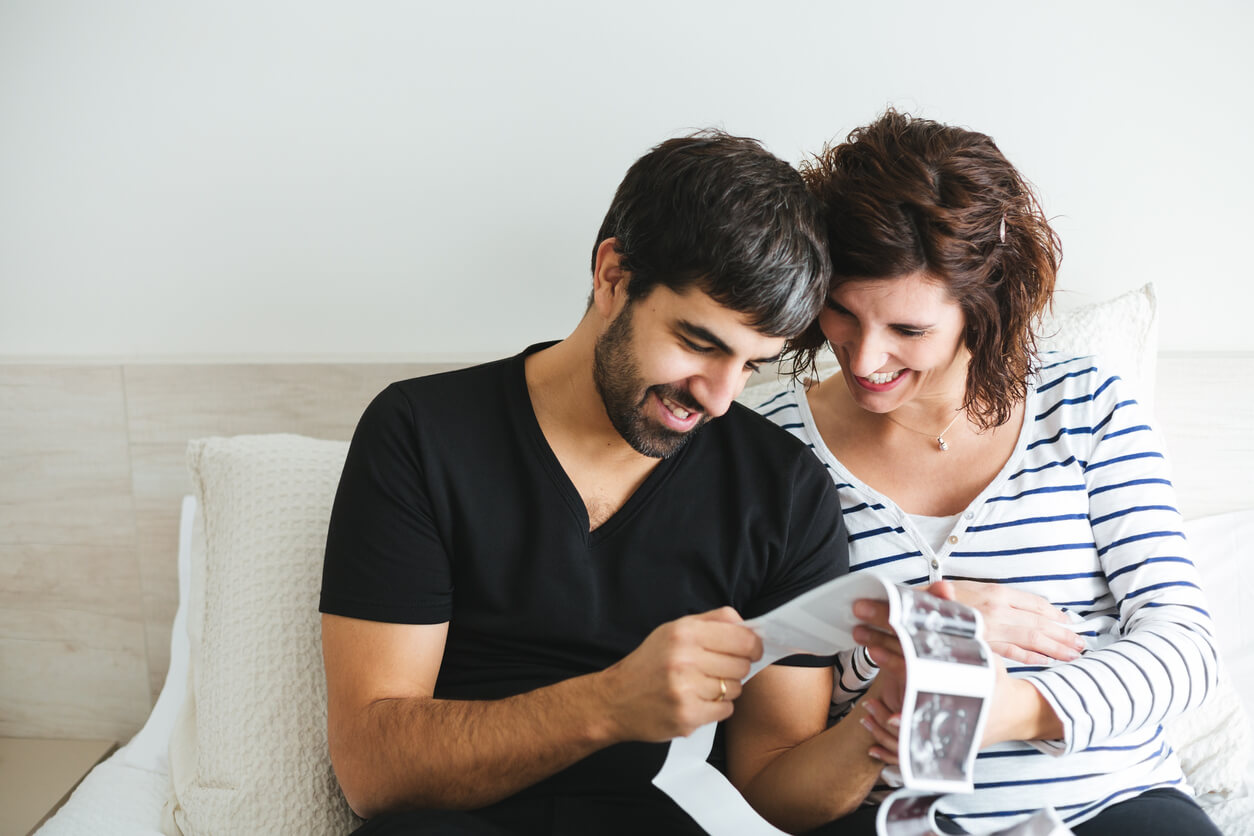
(835, 306)
(700, 349)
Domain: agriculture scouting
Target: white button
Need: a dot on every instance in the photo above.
(969, 515)
(953, 538)
(935, 563)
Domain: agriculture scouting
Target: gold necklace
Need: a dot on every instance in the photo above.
(941, 444)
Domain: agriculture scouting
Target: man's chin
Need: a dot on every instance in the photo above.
(658, 442)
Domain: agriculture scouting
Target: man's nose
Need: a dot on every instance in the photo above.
(720, 386)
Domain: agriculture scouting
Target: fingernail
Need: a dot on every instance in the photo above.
(862, 609)
(874, 755)
(867, 724)
(894, 721)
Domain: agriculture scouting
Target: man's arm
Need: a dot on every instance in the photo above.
(394, 746)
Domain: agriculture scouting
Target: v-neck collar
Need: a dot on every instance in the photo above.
(532, 436)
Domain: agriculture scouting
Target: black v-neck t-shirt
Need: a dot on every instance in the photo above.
(453, 507)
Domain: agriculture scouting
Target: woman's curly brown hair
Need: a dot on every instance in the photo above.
(905, 195)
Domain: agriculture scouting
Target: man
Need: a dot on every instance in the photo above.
(536, 569)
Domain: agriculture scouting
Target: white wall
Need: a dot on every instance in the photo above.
(314, 179)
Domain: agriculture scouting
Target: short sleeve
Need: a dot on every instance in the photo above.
(385, 557)
(817, 544)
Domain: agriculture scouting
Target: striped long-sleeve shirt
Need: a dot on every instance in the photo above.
(1083, 514)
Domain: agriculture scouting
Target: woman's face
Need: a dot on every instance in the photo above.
(897, 340)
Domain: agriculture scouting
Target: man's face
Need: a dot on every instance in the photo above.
(669, 362)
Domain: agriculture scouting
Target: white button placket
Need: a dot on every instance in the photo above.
(935, 573)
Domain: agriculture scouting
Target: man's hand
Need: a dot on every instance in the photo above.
(685, 674)
(1018, 625)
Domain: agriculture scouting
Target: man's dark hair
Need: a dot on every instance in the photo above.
(721, 213)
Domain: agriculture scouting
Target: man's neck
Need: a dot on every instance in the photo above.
(604, 469)
(567, 404)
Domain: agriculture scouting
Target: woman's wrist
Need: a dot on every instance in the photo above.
(1020, 712)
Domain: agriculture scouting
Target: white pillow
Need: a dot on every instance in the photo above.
(1122, 332)
(249, 752)
(1222, 547)
(150, 748)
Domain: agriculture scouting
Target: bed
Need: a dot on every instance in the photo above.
(235, 741)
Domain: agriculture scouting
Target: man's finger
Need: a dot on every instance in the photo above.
(723, 689)
(724, 666)
(725, 614)
(719, 635)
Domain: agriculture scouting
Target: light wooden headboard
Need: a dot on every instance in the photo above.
(92, 471)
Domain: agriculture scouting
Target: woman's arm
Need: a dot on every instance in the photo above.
(1164, 660)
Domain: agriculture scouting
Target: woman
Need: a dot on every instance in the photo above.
(1032, 487)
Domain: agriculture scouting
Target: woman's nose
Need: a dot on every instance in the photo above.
(866, 356)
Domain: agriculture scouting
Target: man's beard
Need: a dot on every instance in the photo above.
(617, 377)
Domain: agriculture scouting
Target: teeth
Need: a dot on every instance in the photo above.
(675, 408)
(884, 377)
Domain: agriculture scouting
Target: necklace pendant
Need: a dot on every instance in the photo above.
(940, 441)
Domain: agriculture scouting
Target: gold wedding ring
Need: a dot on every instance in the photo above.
(722, 690)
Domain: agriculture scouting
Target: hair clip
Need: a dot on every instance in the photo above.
(1002, 231)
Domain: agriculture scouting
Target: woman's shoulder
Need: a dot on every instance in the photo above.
(1075, 398)
(772, 397)
(1074, 376)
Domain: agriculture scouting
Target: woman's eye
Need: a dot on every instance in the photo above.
(911, 332)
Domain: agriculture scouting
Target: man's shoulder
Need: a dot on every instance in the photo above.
(454, 392)
(469, 379)
(752, 438)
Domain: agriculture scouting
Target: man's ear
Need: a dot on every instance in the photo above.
(609, 279)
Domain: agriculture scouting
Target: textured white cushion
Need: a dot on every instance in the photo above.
(1215, 739)
(115, 799)
(150, 747)
(1122, 332)
(1213, 742)
(249, 753)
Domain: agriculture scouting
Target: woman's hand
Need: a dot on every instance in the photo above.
(883, 725)
(879, 709)
(876, 634)
(1018, 625)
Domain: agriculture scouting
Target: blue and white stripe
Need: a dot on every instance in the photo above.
(1084, 515)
